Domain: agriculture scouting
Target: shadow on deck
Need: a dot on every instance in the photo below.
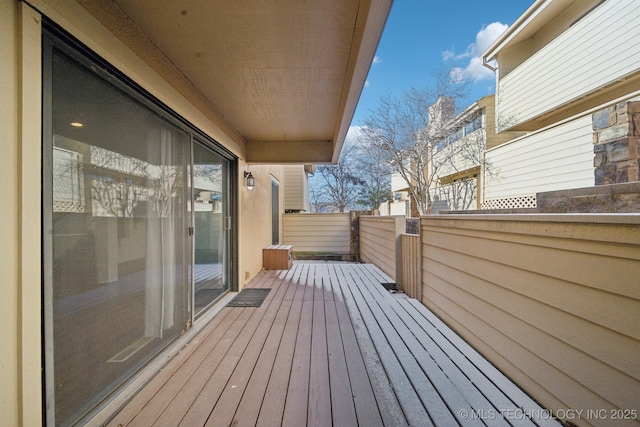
(329, 346)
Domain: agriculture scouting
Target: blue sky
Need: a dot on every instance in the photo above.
(424, 35)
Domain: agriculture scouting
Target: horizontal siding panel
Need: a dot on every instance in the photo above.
(592, 373)
(379, 242)
(552, 300)
(556, 318)
(322, 233)
(606, 309)
(586, 269)
(555, 159)
(575, 63)
(539, 357)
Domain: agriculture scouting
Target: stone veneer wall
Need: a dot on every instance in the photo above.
(614, 198)
(616, 131)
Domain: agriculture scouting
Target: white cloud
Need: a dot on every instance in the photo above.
(355, 136)
(487, 35)
(448, 54)
(377, 59)
(366, 83)
(475, 71)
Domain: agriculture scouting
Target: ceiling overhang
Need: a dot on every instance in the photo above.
(284, 76)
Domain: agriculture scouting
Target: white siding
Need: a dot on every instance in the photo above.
(558, 158)
(327, 233)
(399, 208)
(398, 183)
(464, 158)
(575, 63)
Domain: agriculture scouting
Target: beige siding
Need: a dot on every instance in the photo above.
(380, 243)
(295, 188)
(574, 64)
(554, 159)
(552, 300)
(494, 139)
(328, 233)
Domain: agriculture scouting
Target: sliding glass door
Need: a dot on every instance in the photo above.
(211, 219)
(137, 241)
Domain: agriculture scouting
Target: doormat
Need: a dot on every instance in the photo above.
(250, 297)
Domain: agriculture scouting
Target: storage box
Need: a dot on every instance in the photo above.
(277, 257)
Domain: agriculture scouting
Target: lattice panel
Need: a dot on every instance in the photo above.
(67, 206)
(511, 203)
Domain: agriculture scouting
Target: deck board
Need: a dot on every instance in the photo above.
(328, 347)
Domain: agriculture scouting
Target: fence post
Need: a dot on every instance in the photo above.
(354, 216)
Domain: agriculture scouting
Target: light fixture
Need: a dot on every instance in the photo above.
(249, 180)
(76, 124)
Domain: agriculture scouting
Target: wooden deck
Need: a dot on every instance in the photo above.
(329, 346)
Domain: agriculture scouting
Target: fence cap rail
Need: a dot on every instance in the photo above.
(599, 218)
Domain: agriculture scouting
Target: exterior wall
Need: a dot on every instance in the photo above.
(464, 160)
(398, 183)
(495, 139)
(380, 243)
(324, 233)
(557, 158)
(399, 208)
(552, 300)
(20, 305)
(572, 66)
(296, 188)
(255, 218)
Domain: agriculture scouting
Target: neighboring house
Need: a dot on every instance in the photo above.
(576, 94)
(401, 203)
(296, 187)
(129, 133)
(458, 161)
(457, 164)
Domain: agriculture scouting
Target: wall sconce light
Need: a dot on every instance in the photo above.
(249, 180)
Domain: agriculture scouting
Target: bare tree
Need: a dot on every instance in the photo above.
(410, 129)
(462, 155)
(374, 169)
(340, 182)
(360, 180)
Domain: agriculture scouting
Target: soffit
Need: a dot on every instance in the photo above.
(285, 74)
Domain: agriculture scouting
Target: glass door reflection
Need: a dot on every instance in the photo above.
(210, 214)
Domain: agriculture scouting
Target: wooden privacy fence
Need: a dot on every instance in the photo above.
(552, 300)
(326, 233)
(380, 243)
